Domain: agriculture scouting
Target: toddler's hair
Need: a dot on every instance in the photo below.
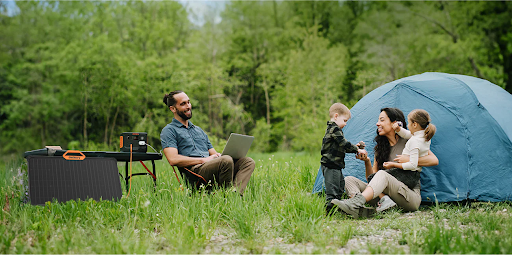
(338, 108)
(169, 98)
(422, 117)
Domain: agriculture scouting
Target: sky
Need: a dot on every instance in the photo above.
(12, 9)
(198, 10)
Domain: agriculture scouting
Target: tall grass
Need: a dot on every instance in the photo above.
(277, 214)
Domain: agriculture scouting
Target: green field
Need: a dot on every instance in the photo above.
(277, 215)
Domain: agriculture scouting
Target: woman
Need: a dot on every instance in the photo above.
(388, 148)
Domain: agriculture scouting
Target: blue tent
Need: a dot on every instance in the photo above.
(473, 139)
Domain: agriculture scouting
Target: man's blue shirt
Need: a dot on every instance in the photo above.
(190, 142)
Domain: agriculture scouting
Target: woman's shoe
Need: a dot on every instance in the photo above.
(385, 203)
(353, 206)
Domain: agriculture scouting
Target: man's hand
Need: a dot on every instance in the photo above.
(362, 155)
(401, 159)
(213, 156)
(360, 145)
(396, 126)
(389, 165)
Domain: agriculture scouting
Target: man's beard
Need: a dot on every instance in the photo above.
(183, 115)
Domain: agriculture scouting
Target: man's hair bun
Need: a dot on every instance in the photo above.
(169, 98)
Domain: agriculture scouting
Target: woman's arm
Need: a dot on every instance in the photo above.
(429, 160)
(369, 169)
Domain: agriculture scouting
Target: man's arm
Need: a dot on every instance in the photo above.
(176, 159)
(212, 151)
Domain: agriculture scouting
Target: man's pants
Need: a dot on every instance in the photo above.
(224, 170)
(383, 182)
(334, 184)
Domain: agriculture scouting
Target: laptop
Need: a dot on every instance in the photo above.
(238, 145)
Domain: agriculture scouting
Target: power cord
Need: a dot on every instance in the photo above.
(131, 152)
(142, 143)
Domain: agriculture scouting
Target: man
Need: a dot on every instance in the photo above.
(187, 146)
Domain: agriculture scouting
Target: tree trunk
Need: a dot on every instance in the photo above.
(253, 72)
(475, 68)
(113, 126)
(212, 77)
(85, 120)
(267, 101)
(85, 111)
(275, 14)
(43, 140)
(507, 63)
(313, 93)
(105, 138)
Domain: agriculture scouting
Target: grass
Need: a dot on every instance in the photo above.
(276, 215)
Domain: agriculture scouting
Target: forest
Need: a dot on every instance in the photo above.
(79, 73)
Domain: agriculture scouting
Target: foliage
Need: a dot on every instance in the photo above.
(82, 72)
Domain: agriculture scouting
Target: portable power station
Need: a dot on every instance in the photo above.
(138, 141)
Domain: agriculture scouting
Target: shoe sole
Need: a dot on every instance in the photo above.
(366, 212)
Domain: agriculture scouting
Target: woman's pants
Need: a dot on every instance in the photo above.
(383, 182)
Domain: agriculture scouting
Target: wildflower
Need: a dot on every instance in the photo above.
(146, 204)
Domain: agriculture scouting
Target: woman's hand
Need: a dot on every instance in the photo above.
(389, 165)
(401, 159)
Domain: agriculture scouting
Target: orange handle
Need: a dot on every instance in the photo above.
(73, 157)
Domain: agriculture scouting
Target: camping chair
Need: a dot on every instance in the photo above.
(195, 180)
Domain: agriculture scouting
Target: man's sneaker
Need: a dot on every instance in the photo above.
(385, 203)
(351, 206)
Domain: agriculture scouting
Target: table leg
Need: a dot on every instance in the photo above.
(154, 172)
(126, 176)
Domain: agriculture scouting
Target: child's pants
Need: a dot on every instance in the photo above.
(334, 184)
(383, 182)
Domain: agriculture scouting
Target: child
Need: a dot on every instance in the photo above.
(334, 147)
(419, 134)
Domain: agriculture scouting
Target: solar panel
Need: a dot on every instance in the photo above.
(55, 177)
